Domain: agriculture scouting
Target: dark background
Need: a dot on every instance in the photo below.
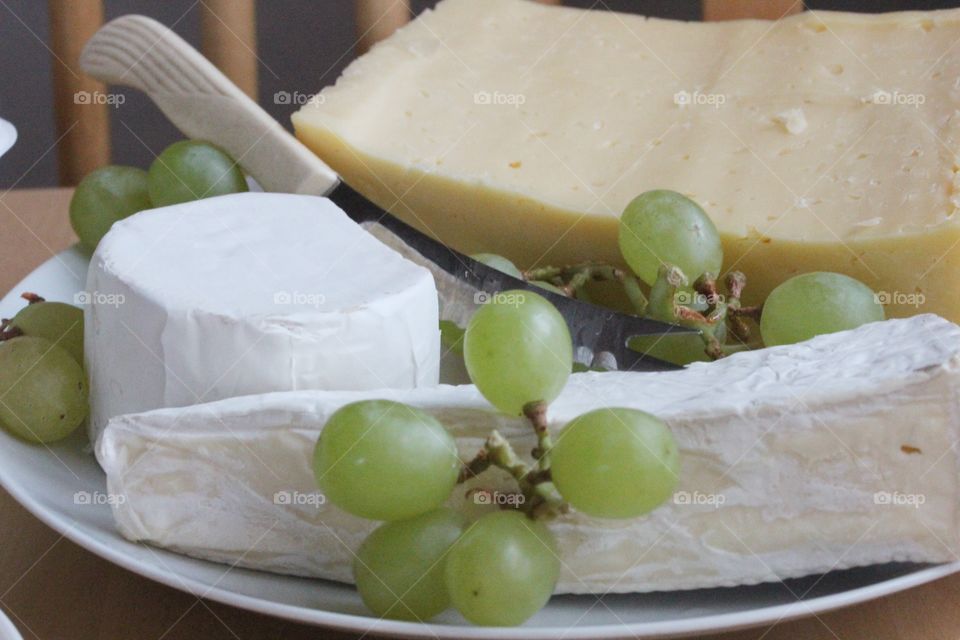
(303, 45)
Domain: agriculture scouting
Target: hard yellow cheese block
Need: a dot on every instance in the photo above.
(824, 141)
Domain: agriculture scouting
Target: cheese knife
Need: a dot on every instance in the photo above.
(204, 104)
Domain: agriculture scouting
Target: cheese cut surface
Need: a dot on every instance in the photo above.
(822, 142)
(251, 293)
(795, 460)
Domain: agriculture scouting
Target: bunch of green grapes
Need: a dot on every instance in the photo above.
(662, 228)
(662, 231)
(387, 461)
(58, 322)
(186, 170)
(384, 460)
(43, 389)
(498, 570)
(609, 463)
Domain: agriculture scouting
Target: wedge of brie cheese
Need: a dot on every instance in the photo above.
(821, 142)
(834, 453)
(251, 293)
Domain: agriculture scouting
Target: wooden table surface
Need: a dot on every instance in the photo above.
(53, 589)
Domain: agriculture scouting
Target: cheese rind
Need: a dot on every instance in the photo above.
(251, 293)
(795, 460)
(824, 141)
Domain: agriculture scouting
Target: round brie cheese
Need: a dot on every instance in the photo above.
(251, 293)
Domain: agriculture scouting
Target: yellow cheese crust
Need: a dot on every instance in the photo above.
(823, 141)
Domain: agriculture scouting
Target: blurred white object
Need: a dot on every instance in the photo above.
(7, 630)
(8, 135)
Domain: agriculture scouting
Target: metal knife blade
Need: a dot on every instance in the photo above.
(594, 329)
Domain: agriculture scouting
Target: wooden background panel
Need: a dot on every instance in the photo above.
(737, 9)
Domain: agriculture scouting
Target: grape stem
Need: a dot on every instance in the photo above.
(8, 331)
(736, 312)
(480, 463)
(707, 312)
(541, 498)
(572, 279)
(536, 413)
(670, 297)
(704, 308)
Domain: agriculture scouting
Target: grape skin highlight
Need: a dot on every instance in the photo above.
(503, 569)
(191, 170)
(57, 322)
(499, 263)
(105, 196)
(399, 568)
(615, 463)
(43, 391)
(665, 227)
(517, 349)
(814, 304)
(384, 460)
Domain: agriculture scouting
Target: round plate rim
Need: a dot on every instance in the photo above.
(8, 630)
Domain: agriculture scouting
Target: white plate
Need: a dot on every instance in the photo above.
(47, 483)
(7, 629)
(8, 136)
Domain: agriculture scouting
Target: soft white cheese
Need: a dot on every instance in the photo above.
(796, 460)
(251, 293)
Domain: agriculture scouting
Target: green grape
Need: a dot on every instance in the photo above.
(815, 303)
(503, 569)
(105, 196)
(615, 463)
(665, 227)
(451, 336)
(549, 287)
(58, 322)
(680, 349)
(384, 460)
(517, 349)
(43, 391)
(614, 301)
(399, 568)
(191, 170)
(499, 263)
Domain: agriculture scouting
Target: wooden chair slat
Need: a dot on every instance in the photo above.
(377, 19)
(228, 34)
(82, 114)
(716, 10)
